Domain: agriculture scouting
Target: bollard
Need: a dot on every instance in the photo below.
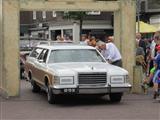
(137, 79)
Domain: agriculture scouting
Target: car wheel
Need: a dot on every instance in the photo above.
(115, 97)
(50, 96)
(21, 73)
(35, 87)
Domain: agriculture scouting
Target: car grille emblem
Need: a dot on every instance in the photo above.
(92, 67)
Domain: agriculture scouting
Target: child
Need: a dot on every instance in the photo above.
(149, 81)
(152, 71)
(157, 84)
(157, 73)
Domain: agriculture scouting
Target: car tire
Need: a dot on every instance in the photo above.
(21, 74)
(115, 97)
(35, 87)
(50, 96)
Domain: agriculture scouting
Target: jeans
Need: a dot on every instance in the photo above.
(155, 77)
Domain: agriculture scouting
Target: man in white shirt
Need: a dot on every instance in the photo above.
(111, 53)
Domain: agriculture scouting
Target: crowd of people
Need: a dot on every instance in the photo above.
(108, 49)
(148, 56)
(65, 38)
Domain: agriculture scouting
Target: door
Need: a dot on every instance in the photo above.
(32, 60)
(41, 66)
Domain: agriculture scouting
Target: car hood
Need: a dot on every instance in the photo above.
(73, 68)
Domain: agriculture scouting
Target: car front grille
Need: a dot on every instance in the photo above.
(92, 78)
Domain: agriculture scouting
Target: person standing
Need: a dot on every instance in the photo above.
(153, 51)
(58, 38)
(84, 40)
(156, 78)
(140, 41)
(92, 41)
(140, 55)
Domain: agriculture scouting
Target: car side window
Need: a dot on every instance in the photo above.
(43, 55)
(36, 52)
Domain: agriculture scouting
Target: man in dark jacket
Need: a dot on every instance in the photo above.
(141, 42)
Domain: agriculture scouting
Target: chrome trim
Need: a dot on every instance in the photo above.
(92, 78)
(104, 90)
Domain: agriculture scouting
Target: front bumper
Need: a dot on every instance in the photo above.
(102, 90)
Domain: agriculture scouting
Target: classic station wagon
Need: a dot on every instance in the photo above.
(74, 69)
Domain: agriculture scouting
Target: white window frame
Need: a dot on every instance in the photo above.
(54, 14)
(34, 15)
(61, 28)
(44, 14)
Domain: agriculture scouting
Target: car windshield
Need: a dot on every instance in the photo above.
(75, 55)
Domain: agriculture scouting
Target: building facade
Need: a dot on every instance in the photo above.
(49, 24)
(149, 11)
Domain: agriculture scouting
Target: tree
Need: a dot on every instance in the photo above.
(76, 16)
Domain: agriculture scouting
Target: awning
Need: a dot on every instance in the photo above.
(145, 28)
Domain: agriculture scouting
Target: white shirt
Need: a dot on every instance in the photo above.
(152, 47)
(138, 40)
(85, 42)
(111, 52)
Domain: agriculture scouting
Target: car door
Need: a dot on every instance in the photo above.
(41, 66)
(32, 60)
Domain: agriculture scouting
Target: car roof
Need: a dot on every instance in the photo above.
(65, 46)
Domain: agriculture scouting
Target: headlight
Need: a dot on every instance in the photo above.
(56, 80)
(64, 80)
(117, 79)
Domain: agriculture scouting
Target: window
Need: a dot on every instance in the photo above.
(54, 34)
(143, 6)
(35, 53)
(44, 14)
(34, 15)
(68, 33)
(74, 55)
(153, 5)
(43, 55)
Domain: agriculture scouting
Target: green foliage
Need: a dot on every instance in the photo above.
(74, 15)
